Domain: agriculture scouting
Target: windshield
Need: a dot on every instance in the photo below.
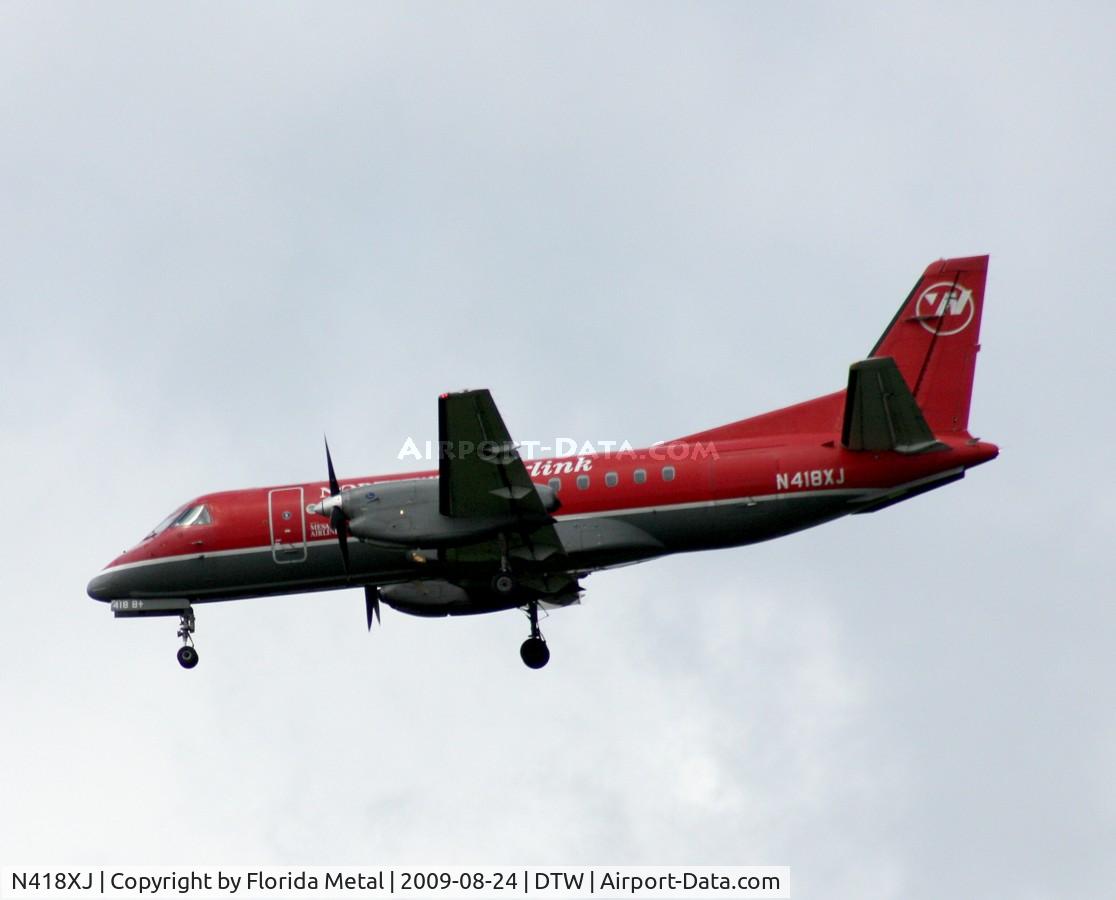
(182, 517)
(165, 524)
(195, 515)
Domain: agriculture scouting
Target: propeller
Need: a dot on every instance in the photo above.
(337, 520)
(340, 524)
(372, 604)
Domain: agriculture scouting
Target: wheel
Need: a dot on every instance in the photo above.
(503, 584)
(535, 653)
(187, 657)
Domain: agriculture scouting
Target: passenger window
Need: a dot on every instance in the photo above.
(668, 473)
(555, 484)
(612, 479)
(639, 476)
(582, 482)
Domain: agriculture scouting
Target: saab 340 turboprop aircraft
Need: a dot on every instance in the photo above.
(488, 531)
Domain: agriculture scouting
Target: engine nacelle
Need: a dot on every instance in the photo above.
(408, 513)
(440, 598)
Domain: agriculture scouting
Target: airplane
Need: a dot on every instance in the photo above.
(490, 531)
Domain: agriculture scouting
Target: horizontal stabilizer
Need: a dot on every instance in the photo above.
(881, 413)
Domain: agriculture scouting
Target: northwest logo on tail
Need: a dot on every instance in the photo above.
(945, 308)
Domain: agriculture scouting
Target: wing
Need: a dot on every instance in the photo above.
(482, 475)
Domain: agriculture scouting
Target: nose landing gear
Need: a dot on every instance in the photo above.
(187, 655)
(534, 652)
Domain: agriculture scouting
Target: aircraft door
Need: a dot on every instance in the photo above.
(287, 517)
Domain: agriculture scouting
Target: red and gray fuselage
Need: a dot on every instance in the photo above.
(481, 534)
(612, 509)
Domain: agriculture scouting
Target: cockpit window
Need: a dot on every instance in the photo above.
(166, 523)
(195, 515)
(183, 516)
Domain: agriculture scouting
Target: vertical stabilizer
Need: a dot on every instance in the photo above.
(934, 340)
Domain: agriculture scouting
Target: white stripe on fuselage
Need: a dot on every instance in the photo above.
(710, 504)
(598, 514)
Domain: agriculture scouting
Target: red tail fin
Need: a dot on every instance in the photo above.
(934, 340)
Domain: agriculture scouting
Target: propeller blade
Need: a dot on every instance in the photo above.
(334, 487)
(337, 520)
(340, 524)
(372, 604)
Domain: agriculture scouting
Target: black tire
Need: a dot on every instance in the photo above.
(504, 584)
(187, 657)
(534, 653)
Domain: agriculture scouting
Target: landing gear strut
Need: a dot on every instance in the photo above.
(534, 652)
(187, 655)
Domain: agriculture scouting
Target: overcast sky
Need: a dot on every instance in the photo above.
(225, 229)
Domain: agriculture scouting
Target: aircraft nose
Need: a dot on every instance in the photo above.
(101, 587)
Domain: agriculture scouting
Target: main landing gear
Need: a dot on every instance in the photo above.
(534, 652)
(504, 584)
(187, 655)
